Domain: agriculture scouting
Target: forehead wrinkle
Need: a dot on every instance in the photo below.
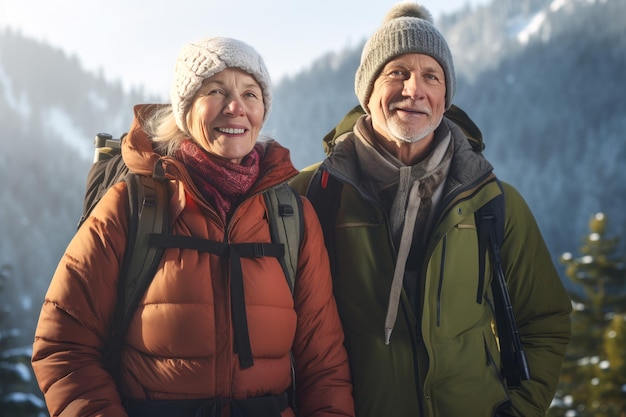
(248, 85)
(431, 65)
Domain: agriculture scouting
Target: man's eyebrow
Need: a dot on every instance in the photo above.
(433, 68)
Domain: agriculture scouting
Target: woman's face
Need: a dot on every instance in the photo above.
(226, 114)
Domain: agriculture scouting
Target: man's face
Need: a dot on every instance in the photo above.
(408, 99)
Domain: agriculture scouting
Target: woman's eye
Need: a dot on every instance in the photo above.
(214, 91)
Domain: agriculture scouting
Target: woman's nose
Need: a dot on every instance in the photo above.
(234, 106)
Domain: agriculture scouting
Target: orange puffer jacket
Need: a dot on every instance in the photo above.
(180, 342)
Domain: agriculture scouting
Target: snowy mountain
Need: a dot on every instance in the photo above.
(544, 80)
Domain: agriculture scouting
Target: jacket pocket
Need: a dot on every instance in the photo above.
(455, 370)
(450, 294)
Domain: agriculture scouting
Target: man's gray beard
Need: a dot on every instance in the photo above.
(402, 134)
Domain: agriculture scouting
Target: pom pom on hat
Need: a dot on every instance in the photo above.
(206, 57)
(407, 28)
(408, 9)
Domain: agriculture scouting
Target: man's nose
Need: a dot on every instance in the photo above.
(413, 87)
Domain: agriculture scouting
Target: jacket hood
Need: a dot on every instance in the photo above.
(137, 150)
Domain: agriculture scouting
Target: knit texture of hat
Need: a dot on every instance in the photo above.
(204, 58)
(407, 28)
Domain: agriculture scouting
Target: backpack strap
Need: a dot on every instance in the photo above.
(148, 214)
(286, 221)
(234, 252)
(324, 192)
(490, 221)
(284, 207)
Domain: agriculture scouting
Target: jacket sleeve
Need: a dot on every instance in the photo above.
(322, 371)
(540, 304)
(76, 313)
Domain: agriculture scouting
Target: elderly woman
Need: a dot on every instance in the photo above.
(181, 355)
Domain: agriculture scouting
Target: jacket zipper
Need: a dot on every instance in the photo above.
(441, 275)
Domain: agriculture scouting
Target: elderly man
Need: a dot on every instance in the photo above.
(410, 279)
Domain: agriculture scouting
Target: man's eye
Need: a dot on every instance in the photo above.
(396, 74)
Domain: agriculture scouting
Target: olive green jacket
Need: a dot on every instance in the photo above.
(443, 361)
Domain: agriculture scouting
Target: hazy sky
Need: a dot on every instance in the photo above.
(136, 41)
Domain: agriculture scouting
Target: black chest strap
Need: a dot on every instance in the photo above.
(234, 252)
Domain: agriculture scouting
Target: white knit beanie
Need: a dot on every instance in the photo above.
(204, 58)
(407, 28)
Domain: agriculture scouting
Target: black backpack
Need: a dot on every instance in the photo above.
(148, 237)
(324, 191)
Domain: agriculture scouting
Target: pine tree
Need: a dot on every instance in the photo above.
(16, 376)
(593, 378)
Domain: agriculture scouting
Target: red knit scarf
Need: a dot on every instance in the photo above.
(221, 182)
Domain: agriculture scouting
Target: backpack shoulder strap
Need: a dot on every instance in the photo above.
(148, 214)
(324, 192)
(286, 226)
(489, 219)
(490, 223)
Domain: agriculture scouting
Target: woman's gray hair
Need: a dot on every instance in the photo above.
(162, 128)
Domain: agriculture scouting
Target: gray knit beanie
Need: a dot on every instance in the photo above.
(204, 58)
(407, 28)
